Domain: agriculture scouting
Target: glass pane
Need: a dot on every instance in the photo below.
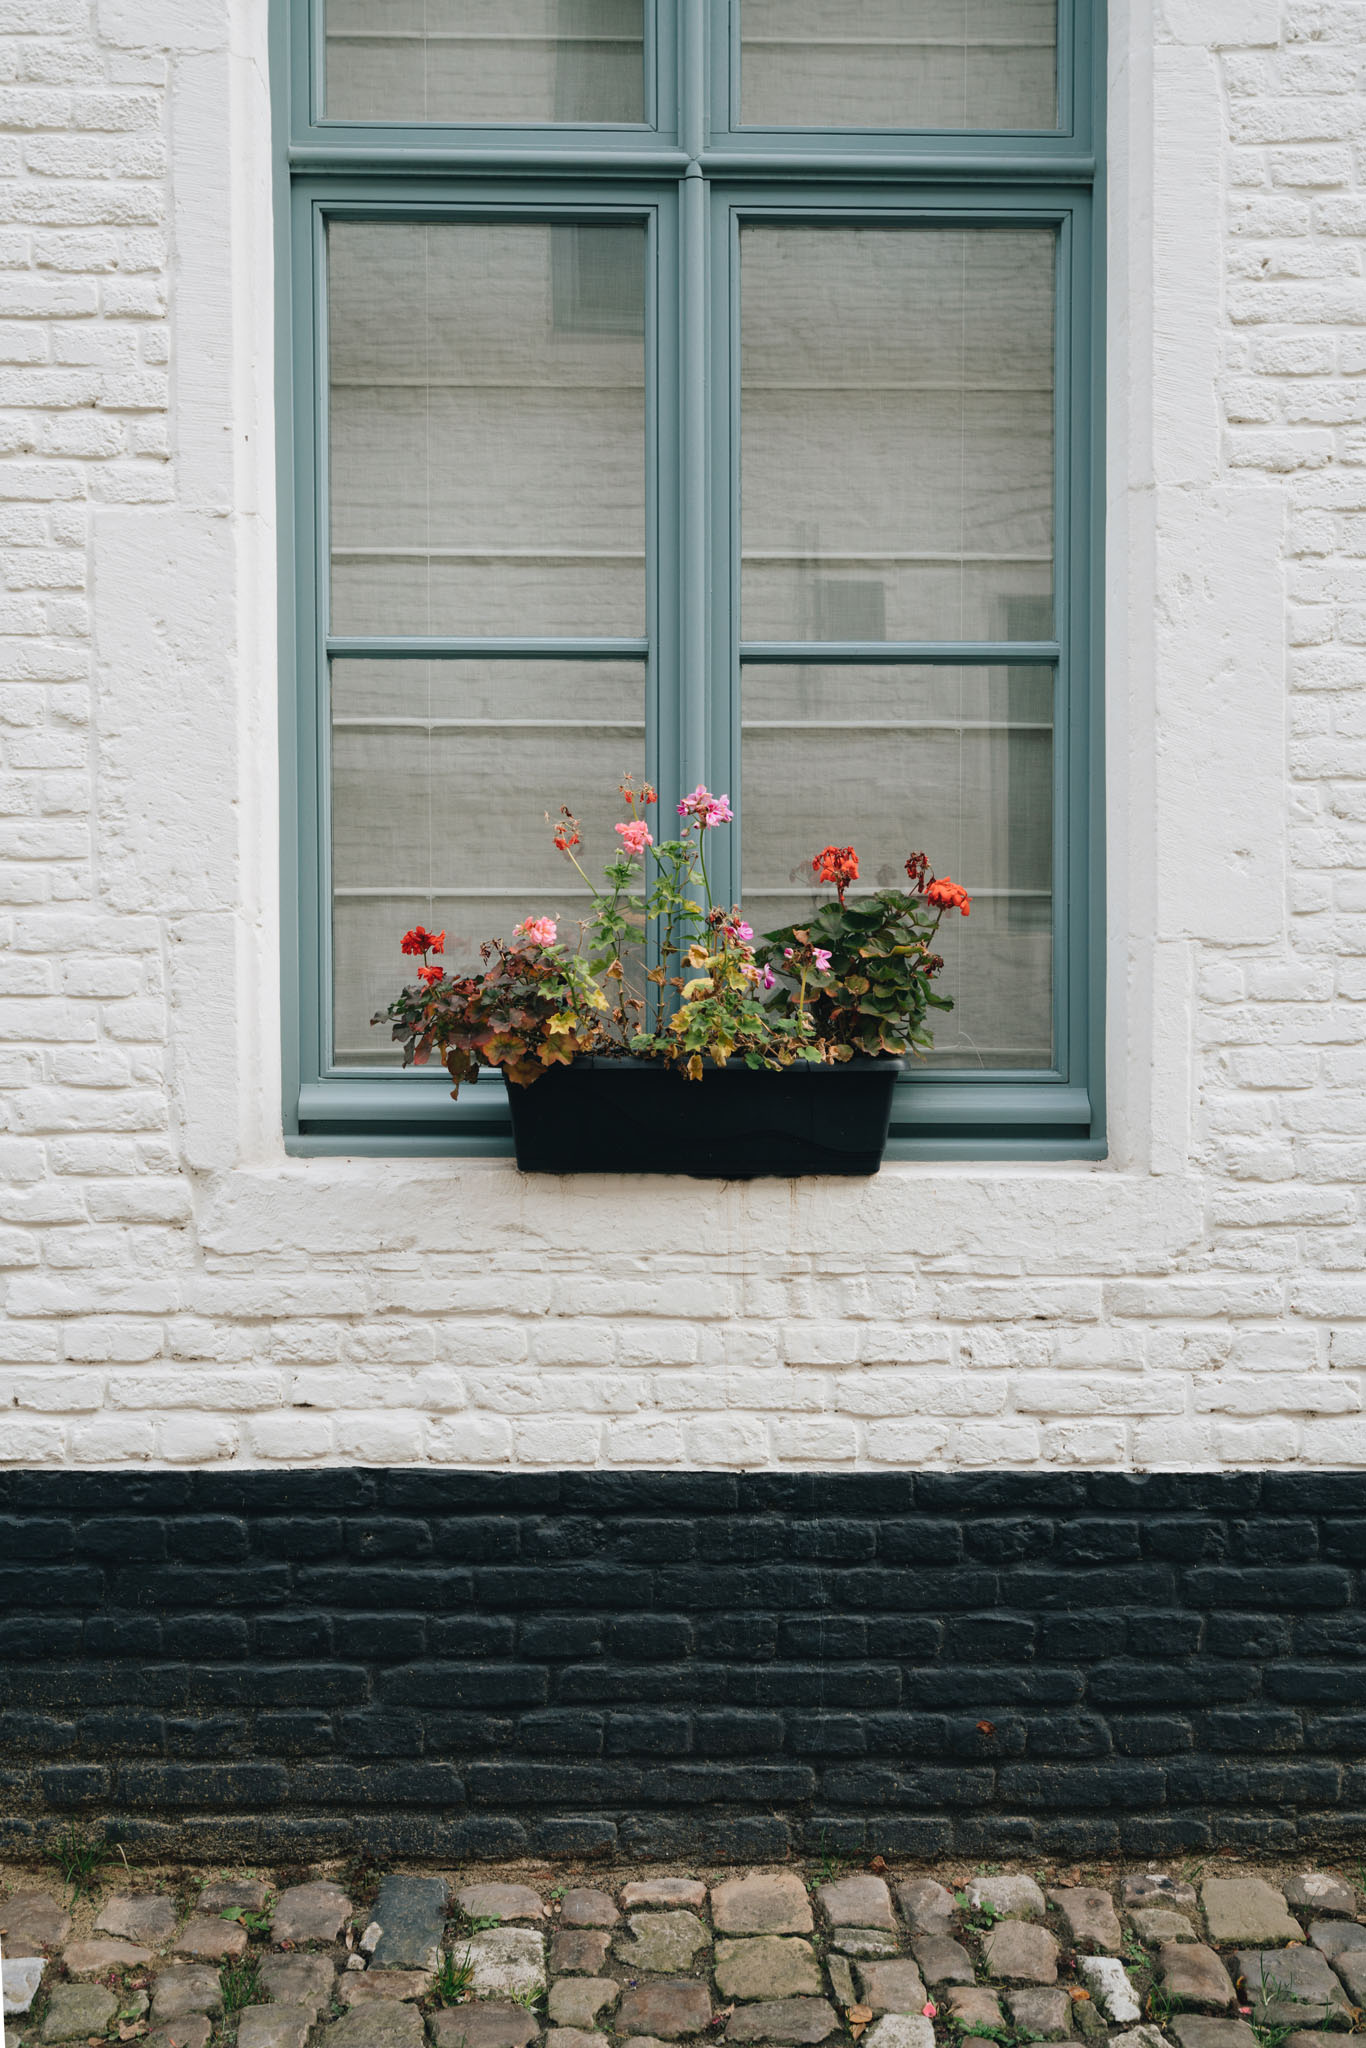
(442, 774)
(487, 428)
(486, 60)
(955, 763)
(896, 430)
(899, 63)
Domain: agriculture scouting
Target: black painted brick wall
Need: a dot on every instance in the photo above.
(648, 1665)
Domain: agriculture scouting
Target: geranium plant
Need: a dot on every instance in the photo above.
(854, 978)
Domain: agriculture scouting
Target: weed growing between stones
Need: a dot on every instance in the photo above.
(453, 1980)
(80, 1858)
(240, 1982)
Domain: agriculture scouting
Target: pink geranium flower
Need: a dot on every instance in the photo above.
(769, 978)
(537, 931)
(635, 836)
(708, 810)
(822, 958)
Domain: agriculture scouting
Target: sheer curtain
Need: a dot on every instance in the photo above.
(897, 484)
(487, 478)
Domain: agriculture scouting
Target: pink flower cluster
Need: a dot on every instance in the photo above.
(537, 931)
(635, 836)
(708, 810)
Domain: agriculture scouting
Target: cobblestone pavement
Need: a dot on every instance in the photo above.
(1202, 1956)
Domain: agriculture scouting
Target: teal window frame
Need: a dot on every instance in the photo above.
(693, 176)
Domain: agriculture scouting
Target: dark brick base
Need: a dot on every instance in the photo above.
(652, 1665)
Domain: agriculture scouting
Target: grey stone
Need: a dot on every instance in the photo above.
(1334, 1938)
(234, 1895)
(33, 1920)
(185, 1988)
(273, 2026)
(300, 1980)
(97, 1958)
(928, 1907)
(577, 2001)
(1045, 2013)
(1350, 1965)
(365, 1987)
(978, 2041)
(667, 2009)
(310, 1912)
(804, 2020)
(666, 1942)
(498, 1902)
(139, 1916)
(1282, 1984)
(864, 1941)
(411, 1912)
(861, 1901)
(974, 2005)
(191, 2030)
(1315, 1891)
(1193, 2031)
(20, 1977)
(766, 1902)
(75, 2011)
(375, 2026)
(841, 1979)
(891, 1987)
(899, 2030)
(1155, 1888)
(1146, 2036)
(584, 1908)
(1304, 2039)
(1018, 1952)
(491, 2025)
(508, 1962)
(574, 2037)
(1108, 1982)
(1192, 1974)
(943, 1961)
(665, 1891)
(206, 1939)
(767, 1966)
(1154, 1923)
(1017, 1897)
(1247, 1912)
(1091, 1918)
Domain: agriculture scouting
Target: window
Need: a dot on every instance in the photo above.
(706, 389)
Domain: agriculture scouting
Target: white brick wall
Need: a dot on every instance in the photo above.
(176, 1291)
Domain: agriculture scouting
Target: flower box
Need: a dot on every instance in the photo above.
(603, 1115)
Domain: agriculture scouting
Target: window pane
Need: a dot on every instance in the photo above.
(955, 763)
(487, 428)
(899, 63)
(442, 773)
(486, 60)
(896, 430)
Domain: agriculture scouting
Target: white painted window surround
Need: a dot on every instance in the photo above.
(176, 1291)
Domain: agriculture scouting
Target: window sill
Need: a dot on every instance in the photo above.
(936, 1117)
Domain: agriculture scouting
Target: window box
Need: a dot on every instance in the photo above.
(736, 1123)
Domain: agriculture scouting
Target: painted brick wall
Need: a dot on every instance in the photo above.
(176, 1291)
(682, 1664)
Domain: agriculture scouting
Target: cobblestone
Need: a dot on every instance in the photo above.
(641, 1960)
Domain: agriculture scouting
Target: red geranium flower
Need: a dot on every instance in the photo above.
(837, 864)
(429, 975)
(420, 940)
(947, 895)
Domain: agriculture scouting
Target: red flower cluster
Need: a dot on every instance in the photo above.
(566, 829)
(428, 976)
(646, 795)
(947, 895)
(837, 864)
(420, 940)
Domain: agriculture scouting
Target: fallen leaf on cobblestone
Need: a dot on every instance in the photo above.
(1079, 1995)
(879, 1863)
(133, 2030)
(859, 2017)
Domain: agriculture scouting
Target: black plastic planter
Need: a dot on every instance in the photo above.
(636, 1116)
